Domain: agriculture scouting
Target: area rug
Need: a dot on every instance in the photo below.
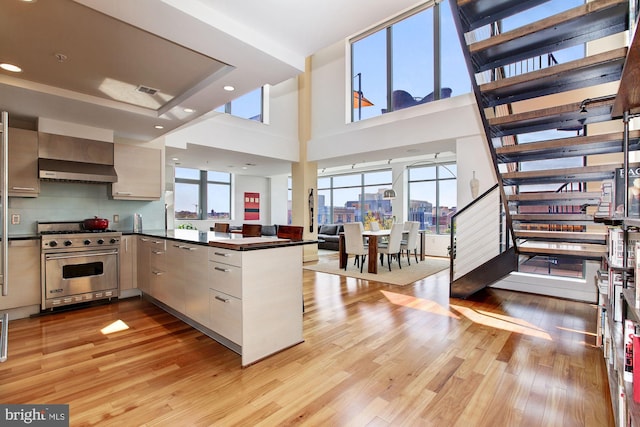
(405, 276)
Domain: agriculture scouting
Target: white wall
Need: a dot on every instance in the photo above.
(277, 139)
(433, 126)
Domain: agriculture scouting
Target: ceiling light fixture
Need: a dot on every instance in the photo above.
(229, 88)
(189, 110)
(11, 67)
(159, 127)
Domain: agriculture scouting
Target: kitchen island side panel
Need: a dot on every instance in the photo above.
(272, 302)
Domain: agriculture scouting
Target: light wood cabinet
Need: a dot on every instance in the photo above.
(23, 163)
(196, 282)
(139, 172)
(128, 263)
(24, 274)
(256, 299)
(144, 250)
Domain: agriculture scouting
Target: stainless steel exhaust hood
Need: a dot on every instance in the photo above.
(66, 158)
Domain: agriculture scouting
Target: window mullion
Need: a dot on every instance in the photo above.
(389, 68)
(436, 52)
(203, 195)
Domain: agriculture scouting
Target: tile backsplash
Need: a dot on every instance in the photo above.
(68, 201)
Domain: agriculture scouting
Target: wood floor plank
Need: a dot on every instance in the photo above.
(373, 355)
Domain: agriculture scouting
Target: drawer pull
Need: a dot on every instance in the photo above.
(23, 188)
(179, 246)
(221, 254)
(157, 252)
(222, 299)
(157, 273)
(224, 270)
(144, 239)
(189, 249)
(124, 193)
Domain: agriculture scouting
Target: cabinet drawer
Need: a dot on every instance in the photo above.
(225, 278)
(226, 316)
(225, 256)
(157, 258)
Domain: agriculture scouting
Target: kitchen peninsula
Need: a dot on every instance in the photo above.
(245, 293)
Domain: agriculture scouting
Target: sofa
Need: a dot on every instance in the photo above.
(328, 236)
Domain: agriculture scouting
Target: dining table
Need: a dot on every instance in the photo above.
(372, 236)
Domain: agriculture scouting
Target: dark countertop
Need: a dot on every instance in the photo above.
(232, 241)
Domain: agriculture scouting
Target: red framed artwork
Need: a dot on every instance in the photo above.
(251, 206)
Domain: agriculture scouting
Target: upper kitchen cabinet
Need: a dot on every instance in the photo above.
(139, 172)
(23, 163)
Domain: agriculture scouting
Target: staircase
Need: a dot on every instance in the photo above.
(549, 206)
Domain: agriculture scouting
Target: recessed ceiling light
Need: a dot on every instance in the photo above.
(61, 57)
(175, 159)
(159, 127)
(189, 110)
(10, 67)
(229, 88)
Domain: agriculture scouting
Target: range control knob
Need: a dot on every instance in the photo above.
(53, 243)
(87, 242)
(67, 242)
(100, 241)
(113, 240)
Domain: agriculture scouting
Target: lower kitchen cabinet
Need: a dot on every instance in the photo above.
(256, 299)
(128, 264)
(226, 316)
(250, 301)
(23, 274)
(196, 282)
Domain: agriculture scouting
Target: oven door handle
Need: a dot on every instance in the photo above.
(79, 255)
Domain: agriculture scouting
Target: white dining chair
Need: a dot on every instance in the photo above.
(411, 242)
(354, 243)
(392, 247)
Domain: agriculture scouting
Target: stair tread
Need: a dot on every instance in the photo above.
(584, 173)
(590, 71)
(552, 217)
(547, 196)
(575, 26)
(567, 235)
(567, 147)
(561, 116)
(584, 250)
(478, 13)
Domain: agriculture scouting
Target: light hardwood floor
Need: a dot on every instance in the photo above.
(374, 355)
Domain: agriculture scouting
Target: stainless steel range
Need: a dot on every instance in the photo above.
(78, 265)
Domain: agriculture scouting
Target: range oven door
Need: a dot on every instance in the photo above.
(71, 277)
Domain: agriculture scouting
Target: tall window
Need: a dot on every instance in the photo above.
(354, 197)
(195, 189)
(433, 196)
(412, 60)
(248, 106)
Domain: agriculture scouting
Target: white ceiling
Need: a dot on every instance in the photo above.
(186, 49)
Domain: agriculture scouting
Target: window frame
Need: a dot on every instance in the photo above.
(388, 28)
(203, 186)
(437, 179)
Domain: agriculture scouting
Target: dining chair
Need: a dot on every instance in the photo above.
(354, 243)
(392, 247)
(221, 227)
(411, 242)
(292, 232)
(251, 230)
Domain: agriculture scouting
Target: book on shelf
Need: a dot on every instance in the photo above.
(629, 332)
(616, 247)
(606, 207)
(636, 373)
(632, 192)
